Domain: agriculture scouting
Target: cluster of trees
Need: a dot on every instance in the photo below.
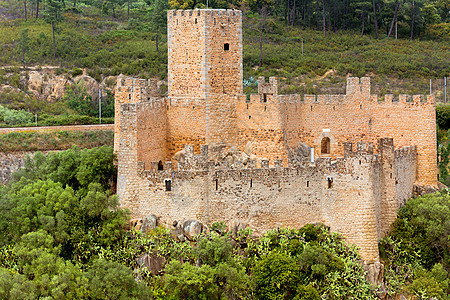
(62, 235)
(416, 253)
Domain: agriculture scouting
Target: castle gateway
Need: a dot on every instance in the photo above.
(208, 152)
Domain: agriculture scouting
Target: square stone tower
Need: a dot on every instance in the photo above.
(204, 76)
(205, 52)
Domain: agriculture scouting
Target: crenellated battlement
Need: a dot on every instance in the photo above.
(186, 13)
(204, 162)
(129, 89)
(405, 151)
(357, 92)
(358, 149)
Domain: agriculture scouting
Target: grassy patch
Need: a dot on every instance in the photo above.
(54, 140)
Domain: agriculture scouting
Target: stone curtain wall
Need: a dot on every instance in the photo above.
(360, 116)
(405, 173)
(267, 197)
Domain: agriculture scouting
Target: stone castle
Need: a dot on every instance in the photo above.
(208, 152)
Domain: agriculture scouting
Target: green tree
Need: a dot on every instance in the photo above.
(111, 280)
(53, 15)
(24, 44)
(157, 16)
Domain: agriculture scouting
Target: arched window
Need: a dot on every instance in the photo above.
(160, 166)
(325, 145)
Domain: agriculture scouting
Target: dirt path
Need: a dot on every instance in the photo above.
(50, 128)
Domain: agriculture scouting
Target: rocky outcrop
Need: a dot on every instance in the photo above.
(45, 84)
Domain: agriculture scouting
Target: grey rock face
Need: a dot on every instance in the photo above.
(192, 228)
(149, 223)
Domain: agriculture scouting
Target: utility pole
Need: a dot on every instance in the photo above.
(100, 104)
(302, 47)
(445, 89)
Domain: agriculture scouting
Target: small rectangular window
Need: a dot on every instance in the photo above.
(226, 46)
(168, 185)
(330, 182)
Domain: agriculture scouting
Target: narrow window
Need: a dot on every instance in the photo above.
(160, 166)
(129, 96)
(334, 108)
(168, 185)
(359, 162)
(391, 175)
(214, 21)
(325, 145)
(360, 106)
(251, 183)
(247, 106)
(217, 184)
(249, 117)
(195, 20)
(226, 46)
(264, 98)
(311, 107)
(330, 182)
(307, 183)
(265, 108)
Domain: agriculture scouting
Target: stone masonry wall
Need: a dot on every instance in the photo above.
(152, 130)
(360, 116)
(405, 173)
(267, 198)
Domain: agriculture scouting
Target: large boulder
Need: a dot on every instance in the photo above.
(149, 223)
(178, 232)
(192, 228)
(153, 263)
(235, 226)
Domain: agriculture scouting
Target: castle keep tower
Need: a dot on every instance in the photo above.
(204, 76)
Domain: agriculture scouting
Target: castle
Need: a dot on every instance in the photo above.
(208, 152)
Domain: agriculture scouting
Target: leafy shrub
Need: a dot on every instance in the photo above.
(76, 72)
(418, 244)
(14, 117)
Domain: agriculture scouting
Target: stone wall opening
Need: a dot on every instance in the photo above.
(226, 47)
(168, 183)
(160, 166)
(325, 146)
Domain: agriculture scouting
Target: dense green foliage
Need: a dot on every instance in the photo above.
(54, 140)
(417, 251)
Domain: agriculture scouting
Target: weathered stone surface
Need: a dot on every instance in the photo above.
(154, 263)
(303, 150)
(150, 222)
(134, 224)
(374, 273)
(178, 232)
(192, 228)
(235, 226)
